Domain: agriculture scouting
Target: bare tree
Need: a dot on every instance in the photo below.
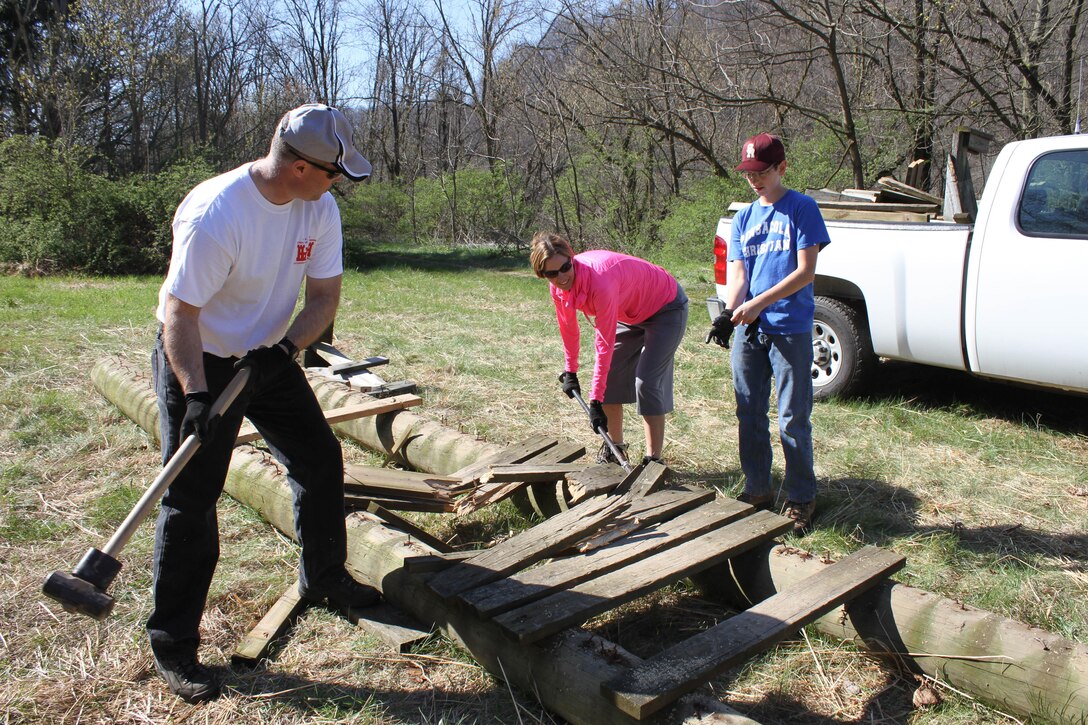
(313, 37)
(403, 47)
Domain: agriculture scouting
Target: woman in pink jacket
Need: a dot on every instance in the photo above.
(639, 313)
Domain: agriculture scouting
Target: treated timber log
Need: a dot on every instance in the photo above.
(996, 659)
(1001, 661)
(565, 673)
(423, 444)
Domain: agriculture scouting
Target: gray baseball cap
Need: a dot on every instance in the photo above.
(322, 133)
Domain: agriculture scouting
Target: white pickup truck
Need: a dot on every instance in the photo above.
(1003, 298)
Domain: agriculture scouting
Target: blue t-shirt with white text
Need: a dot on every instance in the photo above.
(767, 238)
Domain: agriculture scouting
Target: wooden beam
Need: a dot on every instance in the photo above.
(879, 206)
(540, 581)
(649, 477)
(572, 606)
(686, 665)
(517, 552)
(873, 216)
(531, 472)
(248, 433)
(255, 645)
(594, 481)
(391, 481)
(512, 454)
(491, 493)
(427, 505)
(397, 629)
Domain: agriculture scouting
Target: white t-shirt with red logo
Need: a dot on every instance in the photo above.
(242, 259)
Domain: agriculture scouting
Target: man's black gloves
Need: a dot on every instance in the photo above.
(196, 421)
(598, 421)
(570, 384)
(721, 329)
(265, 363)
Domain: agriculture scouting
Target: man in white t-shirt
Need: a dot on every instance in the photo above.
(244, 244)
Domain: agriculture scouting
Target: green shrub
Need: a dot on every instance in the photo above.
(473, 205)
(687, 231)
(156, 198)
(55, 216)
(376, 210)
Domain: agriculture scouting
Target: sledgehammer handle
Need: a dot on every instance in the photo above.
(171, 470)
(604, 434)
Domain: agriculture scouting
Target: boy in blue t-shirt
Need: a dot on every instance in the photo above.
(772, 263)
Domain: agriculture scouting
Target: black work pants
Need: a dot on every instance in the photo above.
(286, 412)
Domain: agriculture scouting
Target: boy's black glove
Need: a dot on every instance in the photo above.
(721, 329)
(598, 421)
(196, 421)
(570, 384)
(265, 363)
(752, 332)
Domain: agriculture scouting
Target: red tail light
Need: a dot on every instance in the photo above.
(721, 253)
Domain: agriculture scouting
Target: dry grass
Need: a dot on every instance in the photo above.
(981, 487)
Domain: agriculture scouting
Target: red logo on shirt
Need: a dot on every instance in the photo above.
(305, 249)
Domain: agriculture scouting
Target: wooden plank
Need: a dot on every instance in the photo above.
(402, 524)
(873, 216)
(517, 552)
(398, 630)
(573, 606)
(513, 454)
(392, 481)
(907, 190)
(255, 645)
(486, 494)
(430, 505)
(594, 481)
(645, 511)
(531, 472)
(881, 206)
(538, 582)
(650, 478)
(647, 688)
(248, 433)
(437, 562)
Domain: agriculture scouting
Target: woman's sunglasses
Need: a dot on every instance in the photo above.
(553, 273)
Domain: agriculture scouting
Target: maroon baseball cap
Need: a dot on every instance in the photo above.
(761, 152)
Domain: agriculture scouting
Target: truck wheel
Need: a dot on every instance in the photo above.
(842, 354)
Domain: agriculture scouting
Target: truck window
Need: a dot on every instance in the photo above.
(1054, 202)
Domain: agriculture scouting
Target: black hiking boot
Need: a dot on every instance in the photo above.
(342, 593)
(188, 679)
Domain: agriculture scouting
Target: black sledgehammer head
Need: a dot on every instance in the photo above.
(84, 590)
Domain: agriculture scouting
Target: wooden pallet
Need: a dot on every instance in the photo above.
(547, 579)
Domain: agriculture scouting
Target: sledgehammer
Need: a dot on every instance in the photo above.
(607, 439)
(84, 590)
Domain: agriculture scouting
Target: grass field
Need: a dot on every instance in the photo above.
(983, 487)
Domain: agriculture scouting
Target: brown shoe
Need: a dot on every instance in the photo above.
(801, 514)
(762, 502)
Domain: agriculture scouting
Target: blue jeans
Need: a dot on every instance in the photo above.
(789, 359)
(287, 414)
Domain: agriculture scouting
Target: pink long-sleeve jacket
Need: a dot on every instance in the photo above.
(609, 287)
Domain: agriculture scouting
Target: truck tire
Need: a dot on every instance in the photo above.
(842, 353)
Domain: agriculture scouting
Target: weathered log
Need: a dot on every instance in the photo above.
(423, 444)
(1001, 661)
(996, 659)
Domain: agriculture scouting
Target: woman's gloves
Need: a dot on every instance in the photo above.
(570, 384)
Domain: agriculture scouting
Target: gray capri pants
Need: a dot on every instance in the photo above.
(642, 360)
